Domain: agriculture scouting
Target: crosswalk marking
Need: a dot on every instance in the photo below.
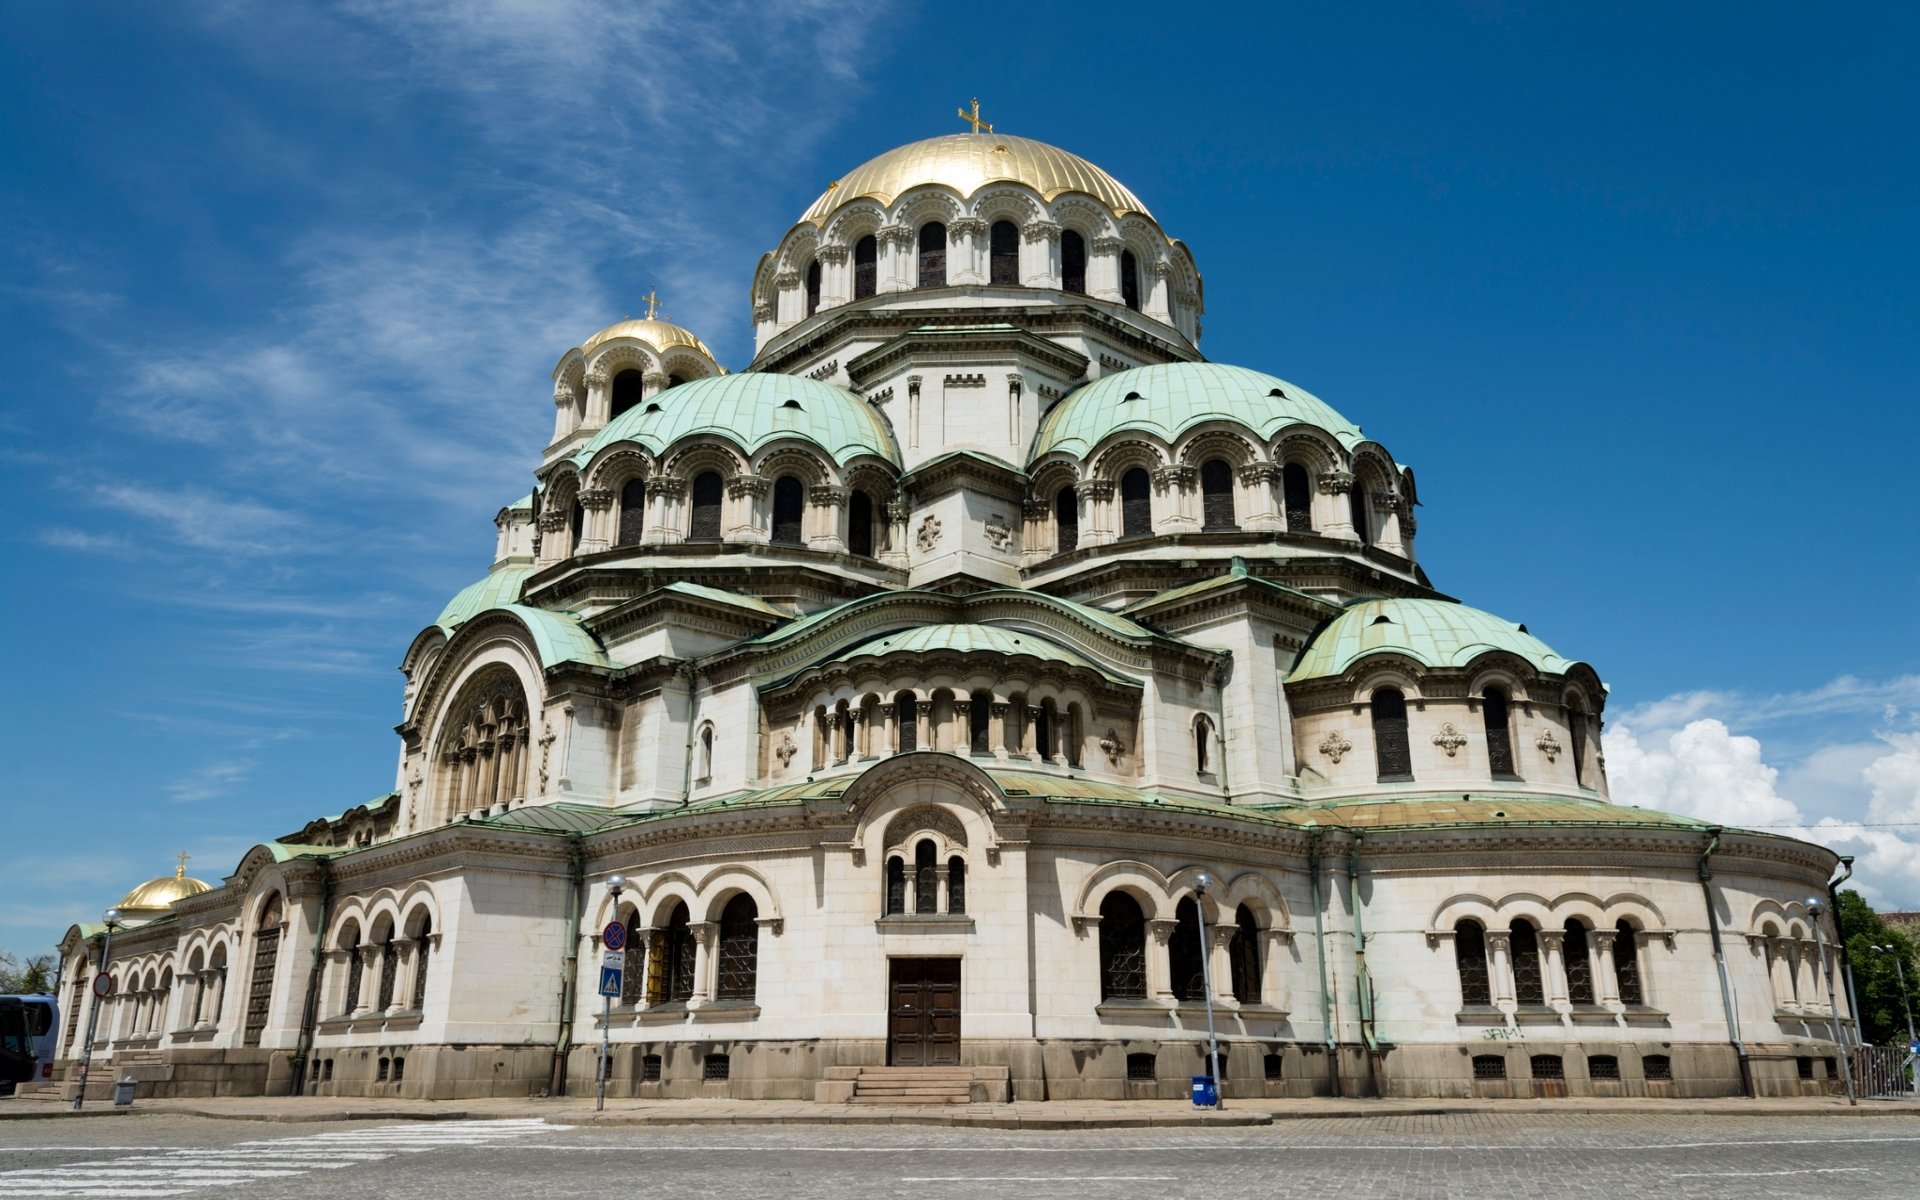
(157, 1172)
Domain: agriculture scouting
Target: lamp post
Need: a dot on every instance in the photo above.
(615, 885)
(1906, 1005)
(1201, 883)
(1814, 910)
(112, 919)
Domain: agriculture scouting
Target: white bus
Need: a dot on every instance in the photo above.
(27, 1028)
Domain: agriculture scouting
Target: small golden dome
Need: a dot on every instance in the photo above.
(661, 335)
(966, 162)
(158, 895)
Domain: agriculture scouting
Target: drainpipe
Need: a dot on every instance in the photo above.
(693, 729)
(569, 966)
(1846, 960)
(1320, 950)
(1720, 961)
(311, 1012)
(1362, 982)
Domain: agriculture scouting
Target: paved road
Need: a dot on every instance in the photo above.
(1401, 1158)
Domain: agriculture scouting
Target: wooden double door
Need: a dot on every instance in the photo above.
(923, 1012)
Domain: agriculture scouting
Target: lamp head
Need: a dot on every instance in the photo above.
(616, 884)
(112, 918)
(1202, 882)
(1814, 906)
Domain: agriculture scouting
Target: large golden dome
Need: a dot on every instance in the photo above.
(966, 162)
(661, 335)
(158, 895)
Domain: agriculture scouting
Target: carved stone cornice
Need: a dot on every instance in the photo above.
(1037, 231)
(833, 253)
(826, 495)
(667, 485)
(596, 499)
(1333, 483)
(1255, 473)
(967, 226)
(748, 485)
(1107, 245)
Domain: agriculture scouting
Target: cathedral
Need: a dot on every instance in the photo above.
(973, 697)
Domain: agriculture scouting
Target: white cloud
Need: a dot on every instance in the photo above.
(211, 780)
(62, 538)
(1700, 770)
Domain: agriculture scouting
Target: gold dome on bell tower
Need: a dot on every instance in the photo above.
(156, 896)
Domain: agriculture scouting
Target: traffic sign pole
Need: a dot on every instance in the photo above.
(614, 938)
(102, 988)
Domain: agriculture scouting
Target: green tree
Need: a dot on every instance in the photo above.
(1884, 1004)
(32, 977)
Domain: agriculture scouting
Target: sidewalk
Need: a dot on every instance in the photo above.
(1061, 1114)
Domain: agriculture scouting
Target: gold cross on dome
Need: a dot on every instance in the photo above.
(180, 872)
(653, 304)
(973, 118)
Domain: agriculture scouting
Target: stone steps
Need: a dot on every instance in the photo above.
(913, 1085)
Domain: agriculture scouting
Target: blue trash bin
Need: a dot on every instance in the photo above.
(1206, 1093)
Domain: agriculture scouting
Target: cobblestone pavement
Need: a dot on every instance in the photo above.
(1403, 1157)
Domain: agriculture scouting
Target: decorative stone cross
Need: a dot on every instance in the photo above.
(1449, 739)
(973, 118)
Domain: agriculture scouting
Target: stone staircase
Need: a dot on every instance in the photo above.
(915, 1085)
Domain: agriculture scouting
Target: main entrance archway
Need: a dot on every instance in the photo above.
(923, 1012)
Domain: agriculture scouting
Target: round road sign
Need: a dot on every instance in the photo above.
(614, 936)
(103, 986)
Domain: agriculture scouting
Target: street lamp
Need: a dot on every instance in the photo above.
(113, 922)
(1814, 910)
(1906, 1006)
(615, 885)
(1201, 883)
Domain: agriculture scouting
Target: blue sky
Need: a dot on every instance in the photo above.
(1632, 287)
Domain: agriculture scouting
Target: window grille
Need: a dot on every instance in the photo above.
(1626, 964)
(1805, 1065)
(860, 524)
(633, 513)
(1392, 752)
(1494, 716)
(1489, 1066)
(1216, 493)
(266, 953)
(933, 255)
(1184, 953)
(355, 974)
(866, 255)
(956, 885)
(1123, 948)
(1529, 987)
(1357, 507)
(1003, 251)
(633, 976)
(739, 967)
(716, 1068)
(904, 708)
(1298, 495)
(680, 955)
(399, 1068)
(1603, 1066)
(926, 885)
(979, 730)
(1833, 1067)
(389, 968)
(627, 391)
(1547, 1066)
(1142, 1068)
(1136, 504)
(896, 886)
(813, 287)
(1579, 963)
(650, 1068)
(1275, 1067)
(1066, 520)
(1470, 958)
(788, 503)
(1243, 956)
(1657, 1066)
(1129, 280)
(1073, 262)
(326, 1071)
(385, 1064)
(706, 507)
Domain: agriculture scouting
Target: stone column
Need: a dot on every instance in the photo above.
(1175, 514)
(1220, 963)
(1159, 970)
(857, 739)
(1097, 526)
(1500, 966)
(1260, 484)
(788, 307)
(706, 936)
(829, 503)
(404, 948)
(599, 399)
(663, 498)
(1157, 303)
(1040, 255)
(1390, 505)
(890, 740)
(836, 740)
(913, 436)
(1553, 962)
(1334, 516)
(997, 727)
(1034, 531)
(1606, 985)
(1103, 268)
(940, 888)
(653, 383)
(748, 521)
(966, 244)
(963, 726)
(594, 534)
(836, 283)
(564, 415)
(369, 977)
(894, 247)
(923, 728)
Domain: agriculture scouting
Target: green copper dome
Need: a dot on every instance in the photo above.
(1435, 633)
(967, 639)
(1172, 398)
(751, 410)
(501, 587)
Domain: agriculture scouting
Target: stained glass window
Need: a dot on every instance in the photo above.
(266, 955)
(860, 524)
(628, 389)
(1577, 739)
(1129, 280)
(739, 967)
(979, 714)
(926, 885)
(680, 955)
(1243, 956)
(1470, 959)
(1123, 948)
(956, 885)
(1529, 985)
(813, 287)
(633, 512)
(633, 961)
(355, 974)
(904, 722)
(389, 969)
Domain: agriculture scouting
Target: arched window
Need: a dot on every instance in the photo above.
(1043, 723)
(926, 883)
(866, 255)
(1391, 750)
(904, 708)
(933, 255)
(813, 287)
(389, 969)
(1362, 519)
(956, 884)
(1123, 948)
(1202, 745)
(788, 501)
(1495, 716)
(356, 972)
(1470, 959)
(860, 524)
(1626, 964)
(677, 956)
(1136, 503)
(1003, 253)
(1184, 953)
(707, 489)
(1066, 520)
(1577, 742)
(1573, 950)
(266, 955)
(633, 512)
(1243, 956)
(422, 936)
(1298, 496)
(896, 886)
(1529, 983)
(739, 966)
(1216, 494)
(576, 525)
(1071, 735)
(705, 770)
(628, 388)
(1073, 262)
(1129, 280)
(978, 716)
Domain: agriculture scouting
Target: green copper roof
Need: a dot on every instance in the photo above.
(523, 504)
(559, 637)
(753, 409)
(1435, 633)
(1174, 397)
(501, 586)
(966, 639)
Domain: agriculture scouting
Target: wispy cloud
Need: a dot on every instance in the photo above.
(211, 780)
(62, 538)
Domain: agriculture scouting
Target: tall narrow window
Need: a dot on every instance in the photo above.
(904, 707)
(1136, 503)
(926, 884)
(1529, 983)
(1066, 520)
(1071, 735)
(1577, 742)
(1298, 496)
(1073, 262)
(978, 716)
(576, 525)
(1357, 508)
(933, 255)
(266, 955)
(679, 955)
(389, 969)
(1626, 964)
(1216, 494)
(1184, 953)
(1495, 716)
(706, 752)
(1202, 745)
(739, 967)
(1243, 956)
(1003, 253)
(356, 972)
(1470, 959)
(633, 512)
(860, 524)
(956, 884)
(628, 389)
(1573, 950)
(705, 526)
(1129, 280)
(896, 886)
(633, 961)
(866, 271)
(1391, 751)
(1123, 948)
(788, 502)
(813, 287)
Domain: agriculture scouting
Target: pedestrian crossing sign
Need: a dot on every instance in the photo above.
(610, 980)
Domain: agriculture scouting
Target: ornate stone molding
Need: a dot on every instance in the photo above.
(596, 499)
(1335, 745)
(1450, 739)
(1333, 483)
(928, 535)
(1112, 747)
(826, 495)
(1042, 231)
(666, 485)
(748, 485)
(1256, 473)
(1549, 745)
(999, 532)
